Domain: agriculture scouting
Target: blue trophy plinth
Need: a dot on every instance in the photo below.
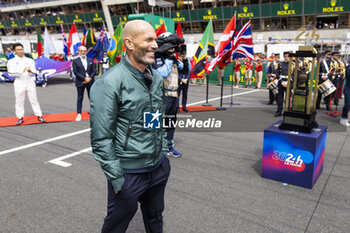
(293, 157)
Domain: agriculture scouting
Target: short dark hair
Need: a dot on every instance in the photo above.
(17, 44)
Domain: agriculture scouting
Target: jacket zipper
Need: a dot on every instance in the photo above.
(127, 137)
(155, 131)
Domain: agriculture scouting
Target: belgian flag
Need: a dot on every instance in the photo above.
(205, 49)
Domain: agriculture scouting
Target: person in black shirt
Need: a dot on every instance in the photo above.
(324, 74)
(346, 108)
(282, 83)
(184, 76)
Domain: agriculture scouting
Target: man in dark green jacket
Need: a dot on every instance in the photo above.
(127, 137)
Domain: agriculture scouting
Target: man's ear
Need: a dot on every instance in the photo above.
(128, 44)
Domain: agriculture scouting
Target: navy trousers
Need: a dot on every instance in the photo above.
(272, 97)
(280, 97)
(81, 95)
(184, 88)
(326, 99)
(148, 189)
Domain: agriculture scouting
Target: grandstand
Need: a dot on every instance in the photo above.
(272, 20)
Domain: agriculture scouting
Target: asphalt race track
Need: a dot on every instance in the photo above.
(216, 186)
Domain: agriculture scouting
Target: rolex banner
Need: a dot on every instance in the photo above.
(205, 49)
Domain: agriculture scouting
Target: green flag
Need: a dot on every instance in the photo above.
(116, 44)
(90, 40)
(205, 49)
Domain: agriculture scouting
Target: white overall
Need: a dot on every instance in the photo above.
(24, 83)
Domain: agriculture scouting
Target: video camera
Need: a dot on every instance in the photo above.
(182, 49)
(167, 41)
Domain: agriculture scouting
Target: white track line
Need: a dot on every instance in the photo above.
(58, 161)
(44, 141)
(226, 96)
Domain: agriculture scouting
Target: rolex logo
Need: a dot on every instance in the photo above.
(178, 14)
(245, 9)
(96, 15)
(286, 6)
(58, 18)
(42, 20)
(209, 12)
(333, 3)
(76, 16)
(124, 18)
(27, 21)
(13, 22)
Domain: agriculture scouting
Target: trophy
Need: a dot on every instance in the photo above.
(299, 115)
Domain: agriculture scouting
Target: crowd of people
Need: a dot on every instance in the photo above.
(324, 25)
(34, 54)
(332, 74)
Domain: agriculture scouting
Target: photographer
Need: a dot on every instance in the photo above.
(184, 76)
(170, 68)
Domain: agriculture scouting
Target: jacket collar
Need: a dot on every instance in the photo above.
(135, 72)
(126, 61)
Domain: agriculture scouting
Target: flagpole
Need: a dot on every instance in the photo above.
(233, 76)
(206, 75)
(221, 92)
(207, 93)
(231, 102)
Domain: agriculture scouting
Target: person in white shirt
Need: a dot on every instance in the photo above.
(23, 69)
(105, 63)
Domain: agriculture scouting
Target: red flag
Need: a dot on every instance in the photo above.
(178, 30)
(160, 30)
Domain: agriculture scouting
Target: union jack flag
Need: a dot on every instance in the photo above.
(242, 43)
(65, 44)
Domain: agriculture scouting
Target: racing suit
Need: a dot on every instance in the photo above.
(23, 84)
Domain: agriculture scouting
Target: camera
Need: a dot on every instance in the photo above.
(181, 49)
(167, 41)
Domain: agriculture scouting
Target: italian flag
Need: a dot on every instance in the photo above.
(40, 43)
